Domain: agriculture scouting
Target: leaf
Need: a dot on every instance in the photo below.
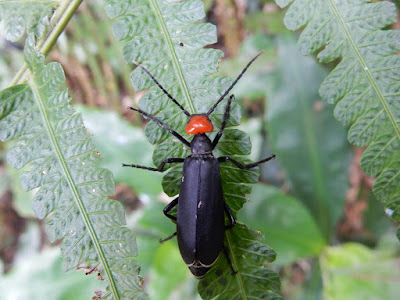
(187, 73)
(309, 143)
(249, 255)
(168, 39)
(120, 142)
(353, 271)
(73, 195)
(18, 16)
(287, 224)
(365, 84)
(153, 33)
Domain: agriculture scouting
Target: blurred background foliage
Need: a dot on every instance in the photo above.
(313, 203)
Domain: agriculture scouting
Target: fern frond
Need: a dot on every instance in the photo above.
(168, 39)
(72, 193)
(250, 255)
(18, 16)
(365, 85)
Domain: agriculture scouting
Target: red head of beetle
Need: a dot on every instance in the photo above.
(199, 124)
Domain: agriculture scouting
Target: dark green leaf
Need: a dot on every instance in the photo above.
(308, 142)
(172, 180)
(249, 255)
(365, 84)
(289, 227)
(234, 142)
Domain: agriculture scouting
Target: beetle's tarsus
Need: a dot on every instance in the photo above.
(167, 238)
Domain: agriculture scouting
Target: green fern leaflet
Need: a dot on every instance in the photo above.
(72, 193)
(167, 37)
(365, 85)
(18, 16)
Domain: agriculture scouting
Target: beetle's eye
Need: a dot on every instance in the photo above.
(199, 124)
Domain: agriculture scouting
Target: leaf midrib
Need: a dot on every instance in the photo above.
(173, 56)
(364, 66)
(235, 264)
(57, 150)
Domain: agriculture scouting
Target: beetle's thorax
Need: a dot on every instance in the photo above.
(201, 144)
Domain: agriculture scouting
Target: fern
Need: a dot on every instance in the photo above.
(72, 194)
(365, 84)
(250, 255)
(18, 16)
(168, 39)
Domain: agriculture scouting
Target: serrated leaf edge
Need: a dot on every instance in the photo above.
(174, 58)
(68, 177)
(367, 71)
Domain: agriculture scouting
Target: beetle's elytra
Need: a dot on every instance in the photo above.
(200, 224)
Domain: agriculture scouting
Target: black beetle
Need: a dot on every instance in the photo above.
(200, 220)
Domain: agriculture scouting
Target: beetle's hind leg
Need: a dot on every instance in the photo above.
(233, 272)
(233, 223)
(166, 210)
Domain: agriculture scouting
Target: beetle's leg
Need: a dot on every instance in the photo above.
(160, 167)
(166, 209)
(242, 166)
(168, 238)
(224, 119)
(231, 217)
(170, 206)
(163, 125)
(233, 272)
(233, 223)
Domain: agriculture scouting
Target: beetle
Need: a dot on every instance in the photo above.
(200, 220)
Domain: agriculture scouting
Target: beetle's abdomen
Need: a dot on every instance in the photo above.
(200, 221)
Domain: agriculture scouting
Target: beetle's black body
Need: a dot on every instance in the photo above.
(200, 220)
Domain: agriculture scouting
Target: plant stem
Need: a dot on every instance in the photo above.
(60, 20)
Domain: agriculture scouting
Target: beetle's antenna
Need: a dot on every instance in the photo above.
(233, 83)
(161, 87)
(163, 125)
